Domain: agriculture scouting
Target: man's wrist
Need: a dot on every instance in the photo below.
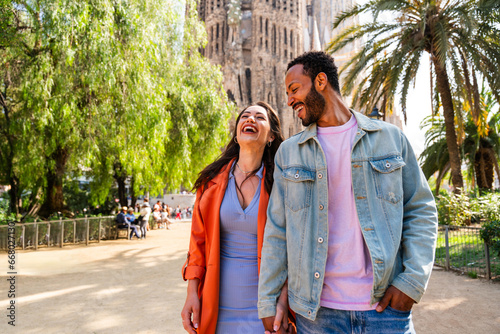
(267, 311)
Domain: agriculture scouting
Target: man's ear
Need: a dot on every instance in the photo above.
(321, 81)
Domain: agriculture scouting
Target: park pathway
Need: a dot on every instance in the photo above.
(135, 286)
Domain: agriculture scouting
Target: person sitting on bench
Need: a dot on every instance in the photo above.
(122, 223)
(133, 223)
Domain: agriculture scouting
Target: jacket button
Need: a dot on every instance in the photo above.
(297, 175)
(320, 240)
(387, 165)
(309, 312)
(321, 207)
(316, 275)
(320, 176)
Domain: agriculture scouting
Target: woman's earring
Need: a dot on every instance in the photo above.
(269, 143)
(236, 140)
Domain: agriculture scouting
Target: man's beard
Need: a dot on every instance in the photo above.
(315, 106)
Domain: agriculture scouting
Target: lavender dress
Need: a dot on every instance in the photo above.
(239, 275)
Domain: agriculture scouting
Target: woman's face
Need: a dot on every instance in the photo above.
(253, 128)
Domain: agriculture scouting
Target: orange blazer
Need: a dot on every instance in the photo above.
(203, 260)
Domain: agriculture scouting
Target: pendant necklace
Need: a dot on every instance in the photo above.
(241, 170)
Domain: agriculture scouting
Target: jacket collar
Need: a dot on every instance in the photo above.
(223, 175)
(364, 123)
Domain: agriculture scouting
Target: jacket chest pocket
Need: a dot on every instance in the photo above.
(387, 173)
(299, 185)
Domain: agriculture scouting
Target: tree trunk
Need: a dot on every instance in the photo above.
(122, 193)
(15, 198)
(54, 198)
(484, 169)
(120, 176)
(443, 86)
(34, 201)
(14, 192)
(132, 193)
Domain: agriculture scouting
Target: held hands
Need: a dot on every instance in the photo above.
(396, 299)
(279, 323)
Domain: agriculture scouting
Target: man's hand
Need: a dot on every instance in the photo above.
(397, 299)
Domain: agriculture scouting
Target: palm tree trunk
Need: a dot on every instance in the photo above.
(484, 168)
(443, 86)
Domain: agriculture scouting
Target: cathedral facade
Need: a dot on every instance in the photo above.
(253, 41)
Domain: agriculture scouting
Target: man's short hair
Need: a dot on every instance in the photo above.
(315, 62)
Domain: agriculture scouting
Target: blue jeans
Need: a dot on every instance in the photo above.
(133, 230)
(143, 228)
(357, 322)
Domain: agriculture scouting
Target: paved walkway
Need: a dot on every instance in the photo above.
(135, 287)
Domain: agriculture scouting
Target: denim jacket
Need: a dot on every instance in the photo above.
(395, 206)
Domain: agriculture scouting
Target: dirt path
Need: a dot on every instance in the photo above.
(135, 287)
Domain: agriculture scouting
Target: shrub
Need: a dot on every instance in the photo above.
(490, 232)
(5, 217)
(464, 209)
(455, 209)
(489, 206)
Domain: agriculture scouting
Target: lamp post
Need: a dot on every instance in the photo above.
(375, 114)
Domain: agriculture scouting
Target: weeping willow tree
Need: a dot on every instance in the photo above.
(113, 90)
(461, 38)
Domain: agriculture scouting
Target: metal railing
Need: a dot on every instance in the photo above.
(462, 249)
(58, 233)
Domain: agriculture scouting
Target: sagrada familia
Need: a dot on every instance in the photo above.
(253, 41)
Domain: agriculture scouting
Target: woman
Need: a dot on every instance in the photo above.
(145, 212)
(157, 216)
(228, 227)
(164, 218)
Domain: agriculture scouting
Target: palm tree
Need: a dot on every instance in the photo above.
(461, 39)
(480, 147)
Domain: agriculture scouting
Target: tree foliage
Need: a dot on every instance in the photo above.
(462, 39)
(112, 90)
(479, 146)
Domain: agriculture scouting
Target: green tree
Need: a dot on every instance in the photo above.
(461, 38)
(106, 89)
(176, 113)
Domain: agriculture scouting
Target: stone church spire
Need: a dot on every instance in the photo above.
(253, 41)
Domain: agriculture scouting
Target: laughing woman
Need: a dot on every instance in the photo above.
(228, 227)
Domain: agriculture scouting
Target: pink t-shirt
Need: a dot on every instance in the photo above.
(349, 275)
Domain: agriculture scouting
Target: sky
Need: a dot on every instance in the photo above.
(418, 106)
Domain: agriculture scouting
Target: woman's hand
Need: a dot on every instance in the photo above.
(191, 311)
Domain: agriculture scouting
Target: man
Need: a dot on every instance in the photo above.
(351, 223)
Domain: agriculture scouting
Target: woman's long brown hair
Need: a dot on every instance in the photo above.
(233, 151)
